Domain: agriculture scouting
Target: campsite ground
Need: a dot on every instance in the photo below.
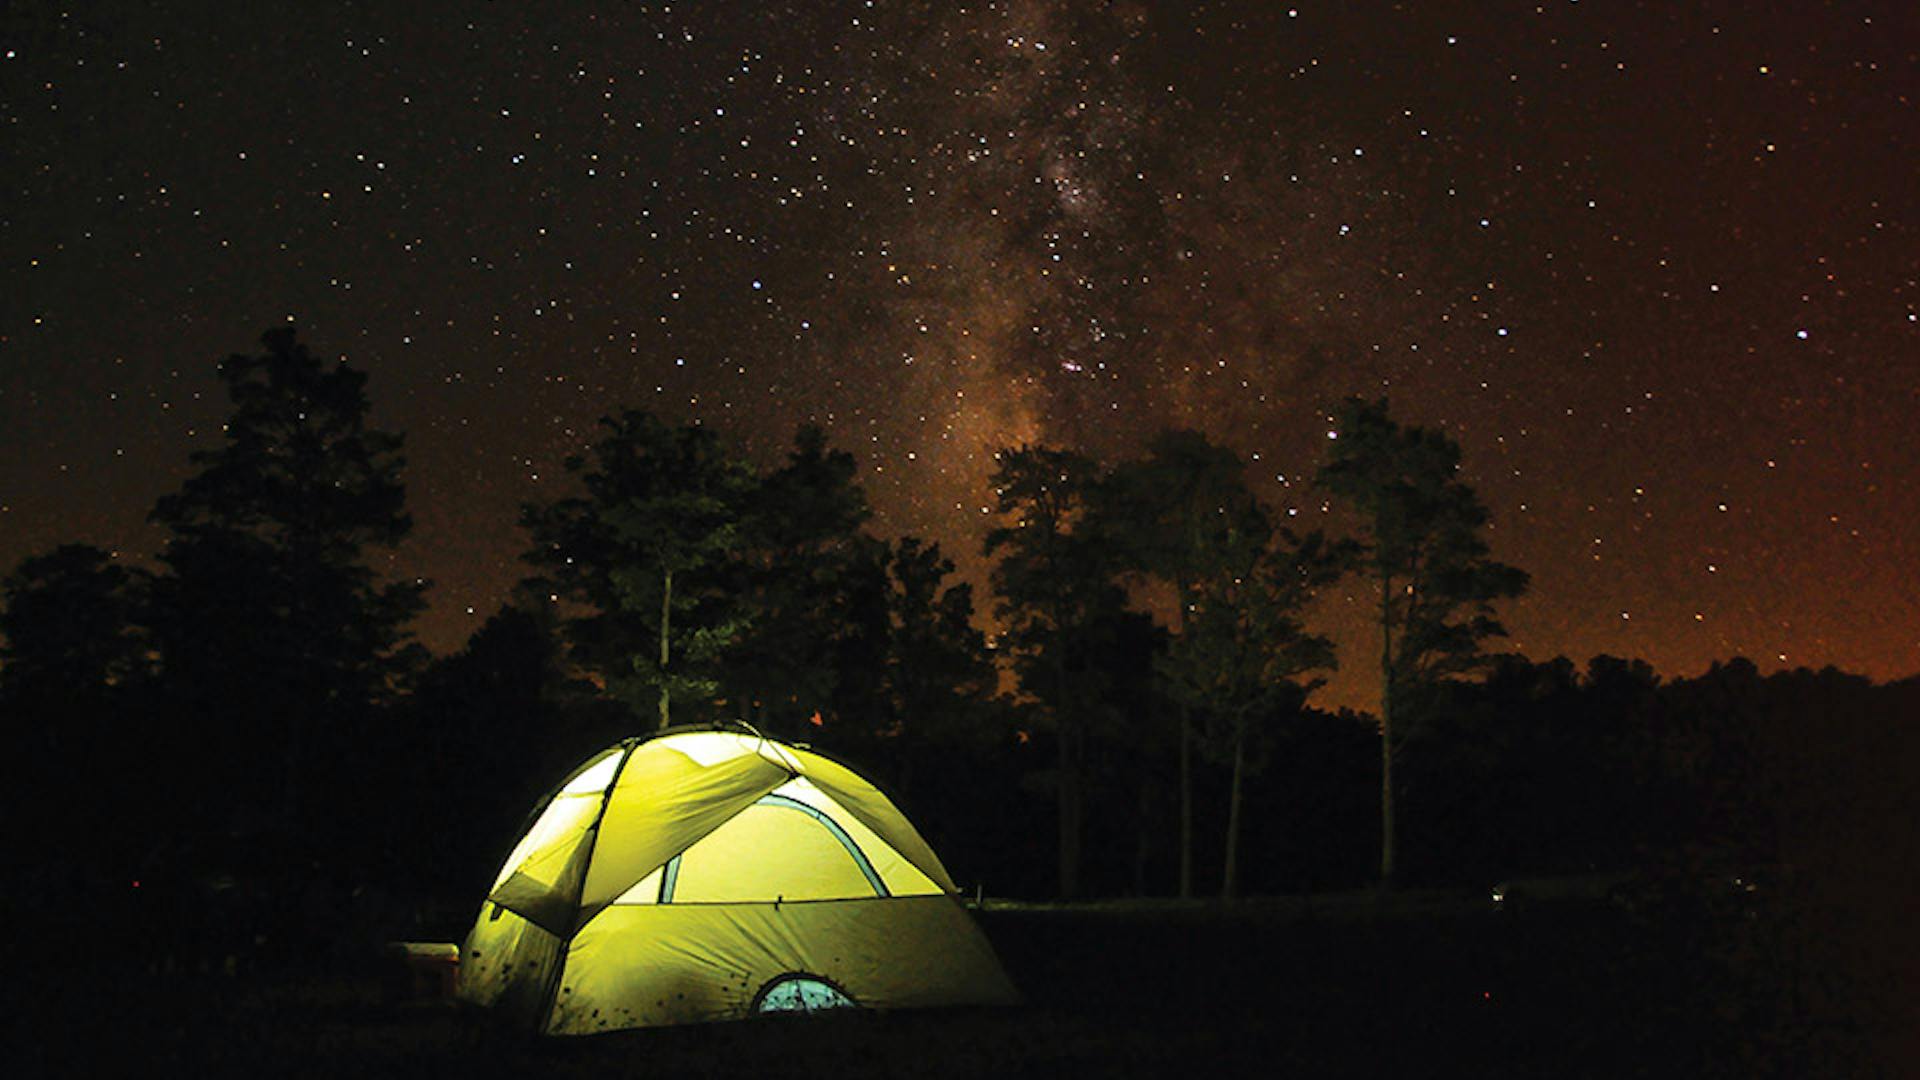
(1422, 984)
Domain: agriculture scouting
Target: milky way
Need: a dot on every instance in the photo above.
(1654, 269)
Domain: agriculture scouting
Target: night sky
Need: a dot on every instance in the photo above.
(1654, 266)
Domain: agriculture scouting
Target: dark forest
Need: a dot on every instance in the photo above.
(237, 758)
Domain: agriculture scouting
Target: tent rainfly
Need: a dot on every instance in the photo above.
(712, 875)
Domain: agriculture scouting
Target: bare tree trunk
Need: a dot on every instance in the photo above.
(293, 761)
(1186, 804)
(666, 618)
(1230, 876)
(1143, 840)
(1067, 779)
(1386, 731)
(1069, 813)
(1183, 595)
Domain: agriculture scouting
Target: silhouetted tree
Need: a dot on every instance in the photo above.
(1316, 810)
(1133, 777)
(70, 625)
(1243, 650)
(1055, 584)
(1437, 584)
(800, 551)
(859, 708)
(269, 624)
(915, 683)
(646, 552)
(938, 676)
(1533, 770)
(938, 670)
(1173, 515)
(72, 656)
(496, 721)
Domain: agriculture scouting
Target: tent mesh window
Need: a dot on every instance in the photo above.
(797, 993)
(778, 848)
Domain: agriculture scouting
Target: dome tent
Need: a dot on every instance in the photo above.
(710, 875)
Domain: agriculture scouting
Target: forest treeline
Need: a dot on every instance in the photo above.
(1143, 721)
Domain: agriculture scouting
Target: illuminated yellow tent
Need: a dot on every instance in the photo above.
(709, 875)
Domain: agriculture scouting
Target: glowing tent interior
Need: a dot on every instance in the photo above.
(709, 875)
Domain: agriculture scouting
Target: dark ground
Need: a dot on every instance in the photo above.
(1422, 984)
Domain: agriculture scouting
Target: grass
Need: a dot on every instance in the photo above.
(1416, 985)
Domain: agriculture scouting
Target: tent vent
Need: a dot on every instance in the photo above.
(796, 993)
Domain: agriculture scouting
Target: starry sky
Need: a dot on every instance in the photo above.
(1653, 265)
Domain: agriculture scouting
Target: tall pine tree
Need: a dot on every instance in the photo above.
(275, 635)
(798, 572)
(1436, 581)
(1056, 594)
(646, 554)
(1244, 654)
(1173, 516)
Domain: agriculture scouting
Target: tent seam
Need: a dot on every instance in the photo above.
(552, 989)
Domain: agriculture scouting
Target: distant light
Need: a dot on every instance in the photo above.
(1801, 334)
(1333, 434)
